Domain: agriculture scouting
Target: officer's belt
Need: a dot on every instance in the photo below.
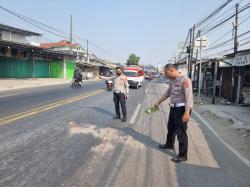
(177, 105)
(116, 91)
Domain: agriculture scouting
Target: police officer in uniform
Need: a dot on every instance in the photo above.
(121, 92)
(181, 103)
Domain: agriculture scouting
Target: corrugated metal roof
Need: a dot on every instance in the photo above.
(17, 30)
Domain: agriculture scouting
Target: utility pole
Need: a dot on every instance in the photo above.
(234, 87)
(199, 88)
(189, 51)
(236, 29)
(196, 78)
(71, 34)
(191, 55)
(87, 50)
(64, 70)
(71, 38)
(197, 50)
(202, 43)
(240, 69)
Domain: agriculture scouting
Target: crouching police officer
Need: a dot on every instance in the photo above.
(181, 103)
(121, 91)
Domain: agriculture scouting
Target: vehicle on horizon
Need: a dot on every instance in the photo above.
(135, 76)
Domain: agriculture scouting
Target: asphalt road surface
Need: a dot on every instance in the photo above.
(59, 136)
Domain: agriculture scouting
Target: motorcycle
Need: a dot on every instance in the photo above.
(76, 83)
(110, 85)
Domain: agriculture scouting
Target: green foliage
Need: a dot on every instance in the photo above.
(133, 59)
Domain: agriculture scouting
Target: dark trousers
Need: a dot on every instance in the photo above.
(176, 126)
(119, 99)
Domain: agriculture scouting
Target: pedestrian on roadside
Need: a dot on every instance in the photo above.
(120, 95)
(181, 103)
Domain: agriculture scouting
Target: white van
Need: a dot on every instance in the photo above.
(135, 76)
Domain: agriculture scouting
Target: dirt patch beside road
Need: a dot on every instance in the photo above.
(228, 129)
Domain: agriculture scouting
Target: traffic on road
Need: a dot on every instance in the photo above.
(134, 94)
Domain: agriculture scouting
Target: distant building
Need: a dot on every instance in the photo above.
(15, 35)
(67, 46)
(9, 33)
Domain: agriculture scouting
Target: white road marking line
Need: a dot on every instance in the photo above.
(118, 163)
(7, 95)
(137, 110)
(246, 161)
(146, 91)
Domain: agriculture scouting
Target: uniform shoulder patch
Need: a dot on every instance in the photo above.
(185, 83)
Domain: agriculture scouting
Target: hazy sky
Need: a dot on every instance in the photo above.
(148, 28)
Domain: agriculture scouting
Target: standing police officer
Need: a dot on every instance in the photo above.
(121, 91)
(181, 103)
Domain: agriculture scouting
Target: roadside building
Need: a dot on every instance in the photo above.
(90, 65)
(20, 58)
(227, 77)
(240, 76)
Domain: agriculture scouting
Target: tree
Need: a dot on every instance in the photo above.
(133, 60)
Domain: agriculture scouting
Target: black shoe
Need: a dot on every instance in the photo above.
(179, 159)
(164, 146)
(116, 117)
(124, 120)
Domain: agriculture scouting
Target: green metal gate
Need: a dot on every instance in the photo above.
(24, 68)
(11, 67)
(56, 69)
(41, 69)
(70, 67)
(6, 67)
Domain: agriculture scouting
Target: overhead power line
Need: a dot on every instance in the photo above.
(248, 42)
(225, 20)
(215, 12)
(227, 42)
(215, 19)
(53, 30)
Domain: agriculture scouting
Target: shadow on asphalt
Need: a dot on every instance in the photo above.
(144, 139)
(100, 110)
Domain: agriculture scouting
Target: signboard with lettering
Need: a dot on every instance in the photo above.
(240, 60)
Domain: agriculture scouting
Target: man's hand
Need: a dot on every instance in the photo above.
(156, 105)
(126, 97)
(186, 116)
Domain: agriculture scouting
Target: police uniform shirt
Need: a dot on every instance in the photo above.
(180, 91)
(121, 84)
